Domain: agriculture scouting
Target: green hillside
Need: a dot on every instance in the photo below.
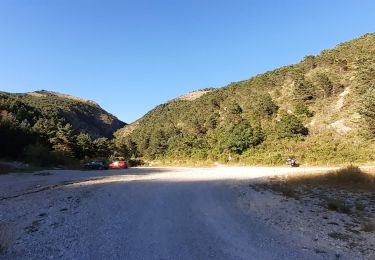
(319, 110)
(52, 121)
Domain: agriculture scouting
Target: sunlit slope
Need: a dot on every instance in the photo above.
(312, 110)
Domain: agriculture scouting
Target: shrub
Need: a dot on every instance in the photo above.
(325, 85)
(290, 126)
(261, 105)
(136, 162)
(242, 137)
(304, 90)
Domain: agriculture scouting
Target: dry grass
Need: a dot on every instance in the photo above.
(331, 189)
(350, 178)
(7, 236)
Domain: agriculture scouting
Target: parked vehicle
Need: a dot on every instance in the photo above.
(292, 162)
(118, 165)
(96, 165)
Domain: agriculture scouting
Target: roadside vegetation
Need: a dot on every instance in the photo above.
(350, 178)
(348, 190)
(338, 205)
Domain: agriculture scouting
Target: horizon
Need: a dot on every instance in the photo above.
(131, 57)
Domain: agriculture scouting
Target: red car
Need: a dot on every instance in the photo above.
(118, 165)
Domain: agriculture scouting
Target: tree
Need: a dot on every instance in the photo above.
(124, 147)
(14, 136)
(242, 137)
(45, 128)
(304, 90)
(233, 112)
(158, 144)
(262, 106)
(324, 84)
(83, 146)
(290, 126)
(102, 147)
(63, 140)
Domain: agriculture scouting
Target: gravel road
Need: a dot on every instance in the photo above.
(141, 213)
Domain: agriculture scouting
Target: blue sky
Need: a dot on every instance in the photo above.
(130, 56)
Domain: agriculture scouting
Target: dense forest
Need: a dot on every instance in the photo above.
(321, 110)
(50, 128)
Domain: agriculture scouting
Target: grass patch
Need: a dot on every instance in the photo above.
(350, 178)
(336, 190)
(7, 236)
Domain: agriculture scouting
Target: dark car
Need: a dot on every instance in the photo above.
(96, 165)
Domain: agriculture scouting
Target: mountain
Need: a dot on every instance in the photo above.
(84, 115)
(319, 110)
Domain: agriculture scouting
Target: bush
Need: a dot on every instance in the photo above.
(261, 105)
(135, 162)
(302, 109)
(39, 155)
(242, 137)
(324, 84)
(304, 90)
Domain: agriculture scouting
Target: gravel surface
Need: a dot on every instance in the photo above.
(143, 213)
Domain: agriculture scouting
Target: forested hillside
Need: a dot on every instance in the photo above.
(319, 110)
(33, 124)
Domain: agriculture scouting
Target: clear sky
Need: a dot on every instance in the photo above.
(130, 56)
